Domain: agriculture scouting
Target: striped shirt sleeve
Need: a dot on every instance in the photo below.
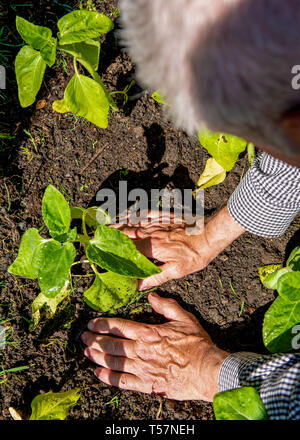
(276, 378)
(268, 198)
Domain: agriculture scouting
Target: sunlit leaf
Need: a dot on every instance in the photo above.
(56, 260)
(56, 213)
(60, 106)
(224, 148)
(53, 406)
(88, 50)
(294, 259)
(82, 25)
(278, 325)
(213, 174)
(239, 404)
(45, 306)
(110, 291)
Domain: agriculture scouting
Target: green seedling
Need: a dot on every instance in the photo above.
(49, 260)
(78, 36)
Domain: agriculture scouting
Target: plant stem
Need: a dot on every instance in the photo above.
(251, 153)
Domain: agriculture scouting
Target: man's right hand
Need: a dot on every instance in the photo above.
(180, 253)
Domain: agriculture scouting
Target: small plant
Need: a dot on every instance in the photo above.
(50, 406)
(50, 260)
(78, 36)
(280, 320)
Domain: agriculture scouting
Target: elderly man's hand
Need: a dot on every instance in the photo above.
(181, 253)
(177, 359)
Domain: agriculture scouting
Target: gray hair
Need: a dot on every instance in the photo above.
(224, 65)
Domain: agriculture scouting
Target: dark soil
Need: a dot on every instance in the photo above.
(149, 152)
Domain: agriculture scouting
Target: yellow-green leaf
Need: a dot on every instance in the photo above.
(110, 291)
(223, 147)
(60, 106)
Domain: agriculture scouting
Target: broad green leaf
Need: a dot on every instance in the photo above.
(56, 260)
(35, 36)
(88, 50)
(264, 271)
(239, 404)
(56, 213)
(213, 174)
(114, 251)
(269, 275)
(289, 286)
(110, 291)
(60, 106)
(85, 97)
(26, 264)
(77, 212)
(30, 68)
(294, 259)
(53, 406)
(82, 25)
(279, 321)
(158, 97)
(48, 51)
(44, 306)
(224, 148)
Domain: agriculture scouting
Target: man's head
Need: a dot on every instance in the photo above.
(224, 65)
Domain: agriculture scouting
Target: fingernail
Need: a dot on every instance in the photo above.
(84, 337)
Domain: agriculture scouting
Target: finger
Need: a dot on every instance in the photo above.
(109, 345)
(116, 363)
(123, 380)
(116, 326)
(168, 273)
(170, 308)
